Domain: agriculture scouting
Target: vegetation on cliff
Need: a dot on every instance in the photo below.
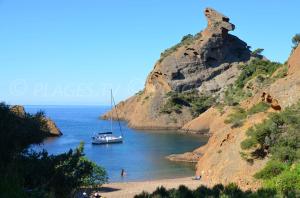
(26, 173)
(296, 40)
(238, 118)
(260, 70)
(186, 40)
(278, 138)
(196, 102)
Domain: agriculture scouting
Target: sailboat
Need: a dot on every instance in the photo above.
(108, 137)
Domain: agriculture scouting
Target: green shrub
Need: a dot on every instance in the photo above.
(272, 169)
(257, 52)
(282, 72)
(248, 143)
(191, 99)
(287, 183)
(233, 95)
(261, 69)
(278, 137)
(255, 68)
(260, 107)
(296, 40)
(237, 118)
(25, 173)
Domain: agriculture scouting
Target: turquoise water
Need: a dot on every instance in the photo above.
(142, 154)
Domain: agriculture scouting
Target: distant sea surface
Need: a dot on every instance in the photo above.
(141, 155)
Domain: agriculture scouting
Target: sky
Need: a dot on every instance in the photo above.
(72, 52)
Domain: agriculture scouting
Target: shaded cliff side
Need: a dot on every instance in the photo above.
(204, 64)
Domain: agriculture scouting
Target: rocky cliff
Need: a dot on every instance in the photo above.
(220, 160)
(50, 125)
(205, 63)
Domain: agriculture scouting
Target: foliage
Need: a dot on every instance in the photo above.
(257, 108)
(231, 190)
(192, 99)
(233, 95)
(272, 169)
(279, 134)
(257, 52)
(27, 173)
(278, 137)
(256, 68)
(18, 132)
(287, 182)
(282, 72)
(238, 118)
(248, 143)
(296, 40)
(186, 40)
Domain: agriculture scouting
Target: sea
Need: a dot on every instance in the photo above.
(142, 154)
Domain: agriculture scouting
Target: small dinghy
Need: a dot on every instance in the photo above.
(108, 137)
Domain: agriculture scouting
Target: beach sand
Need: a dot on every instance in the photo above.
(129, 189)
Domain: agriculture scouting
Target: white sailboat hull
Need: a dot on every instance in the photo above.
(107, 140)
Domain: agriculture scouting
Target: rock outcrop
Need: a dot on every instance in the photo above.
(50, 125)
(18, 110)
(207, 63)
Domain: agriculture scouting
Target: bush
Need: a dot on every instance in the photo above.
(27, 173)
(257, 67)
(237, 118)
(296, 40)
(257, 52)
(279, 136)
(260, 107)
(248, 143)
(272, 169)
(191, 99)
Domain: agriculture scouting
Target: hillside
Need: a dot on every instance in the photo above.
(188, 77)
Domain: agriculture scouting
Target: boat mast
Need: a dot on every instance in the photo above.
(111, 106)
(115, 107)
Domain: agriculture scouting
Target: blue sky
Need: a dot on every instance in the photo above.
(74, 51)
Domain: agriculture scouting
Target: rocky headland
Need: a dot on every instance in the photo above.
(50, 126)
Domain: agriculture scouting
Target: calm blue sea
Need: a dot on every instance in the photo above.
(142, 154)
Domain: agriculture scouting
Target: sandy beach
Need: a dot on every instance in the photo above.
(129, 189)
